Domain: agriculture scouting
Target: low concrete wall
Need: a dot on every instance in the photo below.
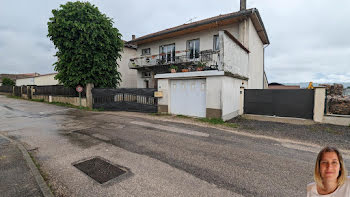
(70, 100)
(337, 120)
(45, 97)
(319, 116)
(61, 99)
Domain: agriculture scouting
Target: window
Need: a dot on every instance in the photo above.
(146, 51)
(146, 84)
(146, 74)
(167, 53)
(216, 43)
(193, 49)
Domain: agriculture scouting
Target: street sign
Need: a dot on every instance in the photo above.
(79, 88)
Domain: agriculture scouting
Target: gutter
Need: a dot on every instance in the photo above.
(256, 11)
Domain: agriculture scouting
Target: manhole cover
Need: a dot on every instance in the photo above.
(100, 170)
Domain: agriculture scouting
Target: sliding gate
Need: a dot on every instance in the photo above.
(125, 99)
(285, 103)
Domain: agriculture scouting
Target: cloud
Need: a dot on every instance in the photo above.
(309, 40)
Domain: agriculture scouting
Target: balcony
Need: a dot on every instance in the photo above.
(182, 58)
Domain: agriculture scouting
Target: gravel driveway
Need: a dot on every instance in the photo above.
(321, 134)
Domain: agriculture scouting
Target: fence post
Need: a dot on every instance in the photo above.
(31, 92)
(319, 103)
(241, 106)
(89, 100)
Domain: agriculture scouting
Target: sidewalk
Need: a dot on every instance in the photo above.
(18, 174)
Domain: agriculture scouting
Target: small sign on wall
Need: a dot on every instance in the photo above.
(158, 94)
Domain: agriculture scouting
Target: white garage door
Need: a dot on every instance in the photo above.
(187, 97)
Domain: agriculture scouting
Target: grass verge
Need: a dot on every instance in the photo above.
(218, 121)
(42, 173)
(14, 97)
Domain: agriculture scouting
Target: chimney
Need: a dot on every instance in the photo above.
(243, 5)
(133, 37)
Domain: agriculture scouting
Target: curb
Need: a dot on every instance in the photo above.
(45, 190)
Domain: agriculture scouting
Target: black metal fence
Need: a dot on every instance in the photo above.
(57, 90)
(7, 89)
(125, 99)
(17, 91)
(24, 89)
(285, 103)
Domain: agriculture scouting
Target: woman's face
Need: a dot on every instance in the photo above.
(329, 166)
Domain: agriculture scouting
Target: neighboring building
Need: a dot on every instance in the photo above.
(15, 77)
(232, 48)
(281, 86)
(128, 76)
(39, 80)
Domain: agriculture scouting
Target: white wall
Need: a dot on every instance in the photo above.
(235, 58)
(214, 85)
(230, 97)
(256, 59)
(213, 91)
(25, 81)
(205, 39)
(164, 86)
(129, 76)
(45, 80)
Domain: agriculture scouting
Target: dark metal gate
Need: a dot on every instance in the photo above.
(17, 91)
(125, 99)
(285, 103)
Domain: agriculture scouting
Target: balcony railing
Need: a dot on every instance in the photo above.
(209, 57)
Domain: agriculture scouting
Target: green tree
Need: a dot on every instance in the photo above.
(88, 45)
(8, 82)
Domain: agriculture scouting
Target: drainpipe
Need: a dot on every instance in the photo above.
(243, 5)
(264, 64)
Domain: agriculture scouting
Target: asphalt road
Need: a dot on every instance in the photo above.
(165, 157)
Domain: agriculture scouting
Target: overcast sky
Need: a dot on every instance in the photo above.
(309, 38)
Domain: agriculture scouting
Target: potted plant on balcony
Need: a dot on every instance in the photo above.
(184, 70)
(201, 66)
(173, 69)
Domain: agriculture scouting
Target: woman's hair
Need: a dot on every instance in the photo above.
(342, 174)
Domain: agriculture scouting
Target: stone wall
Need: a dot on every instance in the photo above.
(336, 89)
(336, 102)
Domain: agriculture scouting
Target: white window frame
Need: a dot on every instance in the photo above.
(143, 51)
(163, 49)
(194, 49)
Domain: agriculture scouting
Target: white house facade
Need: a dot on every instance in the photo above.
(230, 50)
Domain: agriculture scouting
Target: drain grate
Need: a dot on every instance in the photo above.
(100, 170)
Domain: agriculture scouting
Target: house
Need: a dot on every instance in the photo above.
(15, 77)
(39, 80)
(281, 86)
(230, 47)
(128, 76)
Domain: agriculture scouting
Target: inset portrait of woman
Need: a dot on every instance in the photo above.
(330, 175)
